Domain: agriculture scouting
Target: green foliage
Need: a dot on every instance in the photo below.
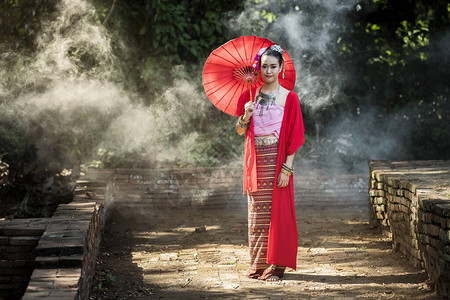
(400, 43)
(178, 31)
(20, 21)
(104, 279)
(151, 37)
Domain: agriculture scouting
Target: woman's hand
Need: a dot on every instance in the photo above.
(249, 109)
(283, 180)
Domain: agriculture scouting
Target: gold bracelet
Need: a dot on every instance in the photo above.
(245, 126)
(241, 120)
(286, 172)
(287, 168)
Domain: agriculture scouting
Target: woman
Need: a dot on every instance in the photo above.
(273, 127)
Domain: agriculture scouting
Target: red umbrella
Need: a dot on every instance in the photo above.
(230, 70)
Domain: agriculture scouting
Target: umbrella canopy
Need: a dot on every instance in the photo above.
(230, 70)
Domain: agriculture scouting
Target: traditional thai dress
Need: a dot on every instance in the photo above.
(272, 225)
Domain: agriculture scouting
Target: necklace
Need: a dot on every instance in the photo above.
(263, 100)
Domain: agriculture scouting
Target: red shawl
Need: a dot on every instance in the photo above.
(283, 238)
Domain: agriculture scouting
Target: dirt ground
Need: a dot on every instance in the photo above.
(181, 254)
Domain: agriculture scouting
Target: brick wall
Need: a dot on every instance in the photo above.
(55, 257)
(141, 191)
(18, 241)
(410, 202)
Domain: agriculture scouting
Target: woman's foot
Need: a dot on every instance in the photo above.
(256, 274)
(274, 273)
(272, 278)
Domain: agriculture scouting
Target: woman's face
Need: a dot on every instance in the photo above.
(270, 68)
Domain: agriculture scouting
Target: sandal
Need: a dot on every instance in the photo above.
(256, 274)
(274, 273)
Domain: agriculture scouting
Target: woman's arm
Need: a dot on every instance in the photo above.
(283, 179)
(249, 108)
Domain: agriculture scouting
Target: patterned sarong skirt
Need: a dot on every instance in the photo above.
(259, 207)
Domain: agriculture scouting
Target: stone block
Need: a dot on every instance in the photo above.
(10, 286)
(18, 249)
(403, 208)
(404, 201)
(426, 205)
(380, 208)
(394, 181)
(422, 217)
(66, 282)
(14, 264)
(33, 295)
(389, 198)
(433, 230)
(378, 200)
(70, 261)
(445, 222)
(4, 240)
(433, 254)
(47, 262)
(443, 209)
(43, 274)
(421, 227)
(24, 240)
(22, 279)
(444, 236)
(21, 232)
(15, 271)
(48, 247)
(380, 215)
(20, 256)
(63, 294)
(376, 193)
(395, 216)
(69, 272)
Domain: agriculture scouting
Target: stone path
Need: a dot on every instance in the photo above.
(181, 254)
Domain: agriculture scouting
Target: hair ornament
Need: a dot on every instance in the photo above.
(257, 58)
(277, 48)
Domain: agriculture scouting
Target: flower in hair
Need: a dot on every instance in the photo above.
(257, 59)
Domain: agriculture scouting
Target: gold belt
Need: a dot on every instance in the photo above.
(265, 140)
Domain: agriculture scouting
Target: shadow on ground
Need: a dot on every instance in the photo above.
(187, 254)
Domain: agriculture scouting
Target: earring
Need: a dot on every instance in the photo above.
(283, 71)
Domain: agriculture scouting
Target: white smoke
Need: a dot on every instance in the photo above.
(310, 32)
(70, 93)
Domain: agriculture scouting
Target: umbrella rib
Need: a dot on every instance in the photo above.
(243, 61)
(221, 65)
(237, 61)
(227, 92)
(214, 81)
(231, 62)
(229, 103)
(219, 87)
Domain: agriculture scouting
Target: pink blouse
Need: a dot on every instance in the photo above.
(270, 121)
